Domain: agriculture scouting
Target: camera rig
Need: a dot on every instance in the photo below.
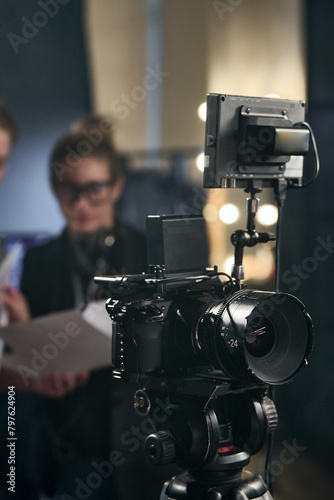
(199, 340)
(207, 348)
(187, 321)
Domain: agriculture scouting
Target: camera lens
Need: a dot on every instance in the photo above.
(254, 335)
(260, 340)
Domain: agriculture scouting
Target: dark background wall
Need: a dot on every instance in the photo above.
(307, 405)
(44, 82)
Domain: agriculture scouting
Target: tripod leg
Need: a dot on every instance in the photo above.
(175, 489)
(253, 489)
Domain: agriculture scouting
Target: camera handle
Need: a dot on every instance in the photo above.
(249, 237)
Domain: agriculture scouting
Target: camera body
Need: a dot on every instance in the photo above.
(182, 320)
(157, 334)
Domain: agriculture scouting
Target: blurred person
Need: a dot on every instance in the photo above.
(52, 384)
(8, 135)
(84, 433)
(15, 303)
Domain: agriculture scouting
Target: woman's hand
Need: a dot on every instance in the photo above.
(57, 384)
(49, 384)
(16, 305)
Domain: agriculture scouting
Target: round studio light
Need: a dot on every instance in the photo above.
(267, 215)
(201, 110)
(210, 212)
(228, 265)
(228, 213)
(200, 162)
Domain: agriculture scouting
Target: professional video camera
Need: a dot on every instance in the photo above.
(181, 319)
(195, 335)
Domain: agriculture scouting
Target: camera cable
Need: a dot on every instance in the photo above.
(315, 156)
(280, 196)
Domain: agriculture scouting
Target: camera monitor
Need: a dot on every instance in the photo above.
(258, 139)
(177, 242)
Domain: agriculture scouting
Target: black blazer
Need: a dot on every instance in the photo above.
(47, 270)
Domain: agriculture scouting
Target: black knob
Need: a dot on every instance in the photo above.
(159, 448)
(271, 413)
(142, 403)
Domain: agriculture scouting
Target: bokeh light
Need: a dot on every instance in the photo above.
(267, 215)
(228, 213)
(200, 162)
(201, 110)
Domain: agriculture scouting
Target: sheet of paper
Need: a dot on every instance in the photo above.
(62, 341)
(7, 264)
(6, 269)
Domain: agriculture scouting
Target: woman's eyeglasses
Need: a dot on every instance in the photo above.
(96, 192)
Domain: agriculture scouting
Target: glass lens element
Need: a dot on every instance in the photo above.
(260, 337)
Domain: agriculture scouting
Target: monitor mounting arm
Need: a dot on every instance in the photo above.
(249, 237)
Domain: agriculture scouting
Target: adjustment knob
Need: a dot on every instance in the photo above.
(271, 413)
(159, 448)
(142, 403)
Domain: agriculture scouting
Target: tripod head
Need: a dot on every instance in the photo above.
(210, 428)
